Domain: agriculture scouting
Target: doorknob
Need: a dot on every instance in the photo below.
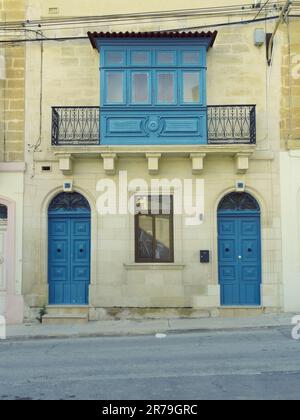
(239, 257)
(1, 260)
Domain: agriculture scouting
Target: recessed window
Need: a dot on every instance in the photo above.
(46, 168)
(140, 88)
(115, 87)
(191, 87)
(154, 229)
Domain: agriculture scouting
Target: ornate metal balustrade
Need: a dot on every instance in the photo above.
(227, 124)
(73, 126)
(231, 124)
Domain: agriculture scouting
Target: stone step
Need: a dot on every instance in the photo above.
(67, 310)
(65, 319)
(237, 311)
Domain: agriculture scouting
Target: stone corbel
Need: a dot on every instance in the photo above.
(109, 163)
(242, 162)
(153, 162)
(197, 162)
(66, 164)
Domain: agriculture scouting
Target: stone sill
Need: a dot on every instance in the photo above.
(151, 267)
(136, 151)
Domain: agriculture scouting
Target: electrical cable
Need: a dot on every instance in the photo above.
(261, 9)
(62, 39)
(140, 16)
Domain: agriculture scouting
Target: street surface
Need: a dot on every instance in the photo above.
(248, 364)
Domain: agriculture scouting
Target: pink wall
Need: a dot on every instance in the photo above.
(14, 308)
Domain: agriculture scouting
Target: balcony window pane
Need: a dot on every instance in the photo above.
(191, 87)
(165, 58)
(115, 58)
(140, 58)
(140, 88)
(191, 58)
(115, 87)
(166, 88)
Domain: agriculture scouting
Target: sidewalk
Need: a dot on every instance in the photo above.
(146, 327)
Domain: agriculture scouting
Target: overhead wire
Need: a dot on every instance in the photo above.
(183, 13)
(196, 27)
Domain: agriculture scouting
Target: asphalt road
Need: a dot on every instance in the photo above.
(262, 364)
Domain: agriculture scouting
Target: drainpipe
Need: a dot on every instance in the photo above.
(283, 13)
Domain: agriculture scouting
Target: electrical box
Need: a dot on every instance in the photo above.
(204, 257)
(259, 37)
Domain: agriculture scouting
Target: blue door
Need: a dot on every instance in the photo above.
(69, 251)
(239, 244)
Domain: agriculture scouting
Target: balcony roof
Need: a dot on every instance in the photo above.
(211, 36)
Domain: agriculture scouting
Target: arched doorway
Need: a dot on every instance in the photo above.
(69, 249)
(3, 257)
(239, 249)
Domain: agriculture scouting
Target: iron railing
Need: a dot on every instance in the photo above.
(227, 124)
(231, 124)
(73, 126)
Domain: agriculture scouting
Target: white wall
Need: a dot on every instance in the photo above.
(290, 207)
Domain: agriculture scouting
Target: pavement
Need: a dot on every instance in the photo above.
(121, 328)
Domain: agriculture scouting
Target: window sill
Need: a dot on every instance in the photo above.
(154, 266)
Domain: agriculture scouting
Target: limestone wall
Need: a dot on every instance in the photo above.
(12, 88)
(67, 74)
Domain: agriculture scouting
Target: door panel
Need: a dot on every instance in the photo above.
(239, 260)
(69, 260)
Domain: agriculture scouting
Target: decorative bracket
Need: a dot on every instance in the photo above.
(153, 162)
(109, 163)
(197, 162)
(66, 164)
(242, 162)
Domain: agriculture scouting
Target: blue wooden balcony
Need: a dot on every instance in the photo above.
(226, 124)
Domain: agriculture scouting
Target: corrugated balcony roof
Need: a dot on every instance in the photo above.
(93, 36)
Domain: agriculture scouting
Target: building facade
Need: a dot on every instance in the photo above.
(192, 114)
(289, 157)
(12, 166)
